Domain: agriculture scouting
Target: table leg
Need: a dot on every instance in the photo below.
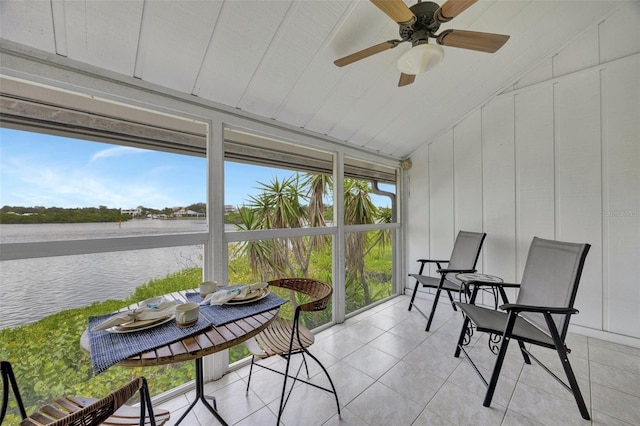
(200, 396)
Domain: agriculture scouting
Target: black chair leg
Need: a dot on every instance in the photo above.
(573, 383)
(9, 379)
(463, 332)
(326, 373)
(453, 304)
(433, 308)
(283, 401)
(511, 321)
(566, 365)
(524, 353)
(435, 302)
(145, 401)
(415, 287)
(413, 295)
(250, 371)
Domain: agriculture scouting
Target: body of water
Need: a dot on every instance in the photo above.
(31, 289)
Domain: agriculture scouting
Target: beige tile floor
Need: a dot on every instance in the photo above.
(389, 371)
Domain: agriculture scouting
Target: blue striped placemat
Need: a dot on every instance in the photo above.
(108, 349)
(223, 314)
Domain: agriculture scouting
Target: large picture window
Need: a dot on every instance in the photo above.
(103, 205)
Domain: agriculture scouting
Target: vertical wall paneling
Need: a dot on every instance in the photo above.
(620, 33)
(534, 150)
(441, 206)
(581, 54)
(556, 155)
(417, 226)
(621, 213)
(467, 154)
(542, 72)
(499, 188)
(604, 124)
(578, 182)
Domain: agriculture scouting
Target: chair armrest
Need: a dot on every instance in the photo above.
(507, 285)
(541, 309)
(458, 271)
(431, 261)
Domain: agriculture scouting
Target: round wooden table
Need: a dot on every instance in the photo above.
(208, 341)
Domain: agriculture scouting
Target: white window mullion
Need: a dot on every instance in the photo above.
(339, 279)
(215, 252)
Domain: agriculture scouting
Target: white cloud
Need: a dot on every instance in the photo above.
(51, 185)
(116, 152)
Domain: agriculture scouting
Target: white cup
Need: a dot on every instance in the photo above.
(208, 287)
(187, 314)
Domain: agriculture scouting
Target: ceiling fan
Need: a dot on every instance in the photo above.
(417, 24)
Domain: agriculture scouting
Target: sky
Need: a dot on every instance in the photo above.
(44, 170)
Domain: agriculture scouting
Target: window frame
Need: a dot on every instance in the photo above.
(36, 69)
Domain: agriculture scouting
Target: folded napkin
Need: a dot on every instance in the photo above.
(221, 297)
(164, 310)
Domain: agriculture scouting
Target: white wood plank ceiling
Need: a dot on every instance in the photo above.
(275, 58)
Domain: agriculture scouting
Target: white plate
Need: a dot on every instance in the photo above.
(132, 327)
(263, 293)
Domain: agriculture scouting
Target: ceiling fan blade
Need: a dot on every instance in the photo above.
(406, 79)
(365, 53)
(473, 40)
(396, 10)
(452, 8)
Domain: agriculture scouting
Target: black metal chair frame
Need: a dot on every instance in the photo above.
(296, 337)
(443, 284)
(519, 328)
(304, 352)
(9, 380)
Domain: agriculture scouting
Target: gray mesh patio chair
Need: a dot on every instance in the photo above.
(540, 315)
(463, 259)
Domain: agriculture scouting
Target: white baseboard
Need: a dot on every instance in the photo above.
(620, 339)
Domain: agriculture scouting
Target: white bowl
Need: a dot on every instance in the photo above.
(152, 303)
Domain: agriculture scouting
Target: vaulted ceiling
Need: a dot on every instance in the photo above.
(274, 58)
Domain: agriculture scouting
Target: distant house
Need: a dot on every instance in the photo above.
(132, 212)
(182, 212)
(229, 208)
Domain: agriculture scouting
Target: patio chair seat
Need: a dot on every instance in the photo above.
(492, 321)
(434, 282)
(274, 340)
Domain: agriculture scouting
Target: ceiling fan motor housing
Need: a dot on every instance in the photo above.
(425, 25)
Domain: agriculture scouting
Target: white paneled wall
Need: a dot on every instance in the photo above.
(556, 156)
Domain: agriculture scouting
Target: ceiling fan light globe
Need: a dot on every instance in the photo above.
(420, 58)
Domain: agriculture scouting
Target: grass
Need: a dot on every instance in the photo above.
(48, 362)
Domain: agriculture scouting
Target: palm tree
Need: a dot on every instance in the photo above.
(358, 210)
(319, 186)
(281, 205)
(262, 261)
(278, 206)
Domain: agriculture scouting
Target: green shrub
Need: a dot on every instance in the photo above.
(48, 361)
